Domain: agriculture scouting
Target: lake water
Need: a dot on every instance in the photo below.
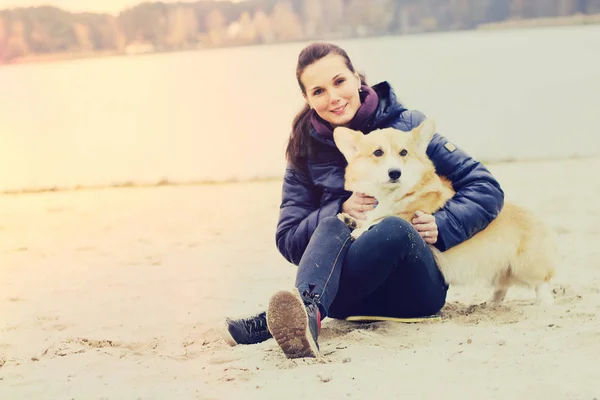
(226, 114)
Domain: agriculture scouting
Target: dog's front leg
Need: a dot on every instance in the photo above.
(349, 220)
(358, 227)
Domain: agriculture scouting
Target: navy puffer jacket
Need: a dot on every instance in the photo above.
(311, 195)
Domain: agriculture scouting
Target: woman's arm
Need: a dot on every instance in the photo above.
(300, 212)
(478, 199)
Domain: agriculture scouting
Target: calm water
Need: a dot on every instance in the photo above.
(226, 114)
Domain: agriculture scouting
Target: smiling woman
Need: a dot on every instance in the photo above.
(335, 99)
(332, 88)
(389, 270)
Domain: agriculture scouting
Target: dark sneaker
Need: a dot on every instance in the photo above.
(251, 330)
(294, 322)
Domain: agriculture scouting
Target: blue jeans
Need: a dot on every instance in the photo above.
(388, 271)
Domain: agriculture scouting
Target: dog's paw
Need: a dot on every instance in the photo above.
(357, 232)
(348, 220)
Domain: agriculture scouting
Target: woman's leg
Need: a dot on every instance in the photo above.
(317, 279)
(389, 271)
(294, 317)
(390, 261)
(320, 268)
(338, 276)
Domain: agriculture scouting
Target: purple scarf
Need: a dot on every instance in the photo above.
(369, 101)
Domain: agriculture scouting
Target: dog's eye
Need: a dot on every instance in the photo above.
(403, 153)
(378, 153)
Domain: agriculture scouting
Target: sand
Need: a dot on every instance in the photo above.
(118, 294)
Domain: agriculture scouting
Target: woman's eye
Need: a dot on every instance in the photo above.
(317, 92)
(403, 153)
(340, 81)
(378, 153)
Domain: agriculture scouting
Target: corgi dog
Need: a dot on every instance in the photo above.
(516, 248)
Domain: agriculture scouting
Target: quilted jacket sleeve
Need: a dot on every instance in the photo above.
(478, 199)
(300, 212)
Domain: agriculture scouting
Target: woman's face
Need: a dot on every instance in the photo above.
(332, 89)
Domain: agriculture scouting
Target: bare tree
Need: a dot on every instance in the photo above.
(264, 27)
(333, 18)
(215, 26)
(286, 24)
(313, 18)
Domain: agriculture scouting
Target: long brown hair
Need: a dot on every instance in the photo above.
(299, 144)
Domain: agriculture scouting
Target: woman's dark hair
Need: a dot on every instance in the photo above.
(299, 144)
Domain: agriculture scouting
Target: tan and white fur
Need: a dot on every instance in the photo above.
(516, 248)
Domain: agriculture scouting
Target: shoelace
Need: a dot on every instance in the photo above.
(310, 294)
(313, 300)
(256, 325)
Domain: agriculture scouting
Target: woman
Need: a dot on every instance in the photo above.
(390, 269)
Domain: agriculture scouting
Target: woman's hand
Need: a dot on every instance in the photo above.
(426, 226)
(358, 204)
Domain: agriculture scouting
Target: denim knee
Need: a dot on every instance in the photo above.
(397, 233)
(331, 226)
(329, 221)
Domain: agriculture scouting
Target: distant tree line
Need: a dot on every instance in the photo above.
(178, 26)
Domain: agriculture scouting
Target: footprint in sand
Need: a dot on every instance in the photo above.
(73, 346)
(474, 314)
(293, 363)
(338, 328)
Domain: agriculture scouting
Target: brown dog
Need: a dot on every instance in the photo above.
(516, 248)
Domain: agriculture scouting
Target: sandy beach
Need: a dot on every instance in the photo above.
(118, 294)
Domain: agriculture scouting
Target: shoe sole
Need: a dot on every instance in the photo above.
(287, 320)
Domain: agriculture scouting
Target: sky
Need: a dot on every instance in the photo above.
(101, 6)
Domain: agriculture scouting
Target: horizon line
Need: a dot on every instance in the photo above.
(117, 12)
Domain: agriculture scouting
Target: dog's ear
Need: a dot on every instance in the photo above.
(423, 134)
(347, 141)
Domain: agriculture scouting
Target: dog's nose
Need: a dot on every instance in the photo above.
(394, 174)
